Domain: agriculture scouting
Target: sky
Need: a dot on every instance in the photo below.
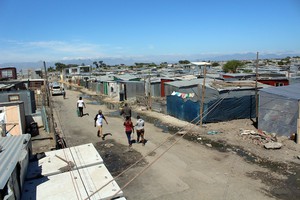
(52, 30)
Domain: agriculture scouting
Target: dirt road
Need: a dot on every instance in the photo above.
(188, 170)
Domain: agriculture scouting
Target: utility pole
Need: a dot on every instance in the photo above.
(256, 91)
(46, 84)
(51, 120)
(203, 95)
(149, 92)
(298, 124)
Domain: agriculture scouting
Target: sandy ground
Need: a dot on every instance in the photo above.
(199, 166)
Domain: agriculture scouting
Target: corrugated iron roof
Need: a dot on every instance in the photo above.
(189, 83)
(126, 77)
(6, 86)
(11, 148)
(217, 85)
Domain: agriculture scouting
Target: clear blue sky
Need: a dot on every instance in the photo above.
(51, 30)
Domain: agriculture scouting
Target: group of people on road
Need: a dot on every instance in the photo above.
(99, 119)
(129, 127)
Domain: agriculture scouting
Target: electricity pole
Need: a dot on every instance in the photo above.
(256, 91)
(203, 95)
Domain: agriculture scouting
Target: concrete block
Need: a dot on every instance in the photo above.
(76, 184)
(78, 157)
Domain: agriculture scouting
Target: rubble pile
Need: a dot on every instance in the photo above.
(269, 141)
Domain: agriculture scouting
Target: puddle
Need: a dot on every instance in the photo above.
(114, 114)
(94, 103)
(85, 96)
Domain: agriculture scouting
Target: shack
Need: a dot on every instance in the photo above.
(279, 109)
(222, 101)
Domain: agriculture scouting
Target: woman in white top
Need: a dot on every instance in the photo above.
(99, 122)
(80, 105)
(140, 130)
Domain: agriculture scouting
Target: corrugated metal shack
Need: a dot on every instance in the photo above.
(223, 101)
(27, 96)
(15, 152)
(279, 109)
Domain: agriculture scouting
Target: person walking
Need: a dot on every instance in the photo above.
(99, 123)
(80, 106)
(64, 93)
(129, 128)
(126, 111)
(140, 130)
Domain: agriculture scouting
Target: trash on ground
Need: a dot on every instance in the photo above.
(209, 145)
(248, 132)
(108, 145)
(213, 132)
(258, 137)
(273, 145)
(181, 133)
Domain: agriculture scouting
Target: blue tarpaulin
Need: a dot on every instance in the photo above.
(213, 111)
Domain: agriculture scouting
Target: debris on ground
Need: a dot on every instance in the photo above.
(108, 145)
(258, 137)
(273, 145)
(209, 145)
(181, 132)
(213, 132)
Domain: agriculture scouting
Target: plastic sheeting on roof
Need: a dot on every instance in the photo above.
(290, 91)
(278, 109)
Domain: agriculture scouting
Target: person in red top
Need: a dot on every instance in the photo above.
(129, 128)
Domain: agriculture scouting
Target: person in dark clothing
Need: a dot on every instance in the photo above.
(64, 93)
(126, 111)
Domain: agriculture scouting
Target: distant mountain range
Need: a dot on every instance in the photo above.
(149, 59)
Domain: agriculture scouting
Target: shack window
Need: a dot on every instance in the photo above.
(13, 97)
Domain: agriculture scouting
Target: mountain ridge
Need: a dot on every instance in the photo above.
(149, 59)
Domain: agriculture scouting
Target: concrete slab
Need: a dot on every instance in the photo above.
(76, 184)
(57, 161)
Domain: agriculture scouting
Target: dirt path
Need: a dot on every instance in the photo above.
(189, 170)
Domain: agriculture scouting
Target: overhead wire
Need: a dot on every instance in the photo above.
(213, 107)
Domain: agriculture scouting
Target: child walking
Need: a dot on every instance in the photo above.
(99, 122)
